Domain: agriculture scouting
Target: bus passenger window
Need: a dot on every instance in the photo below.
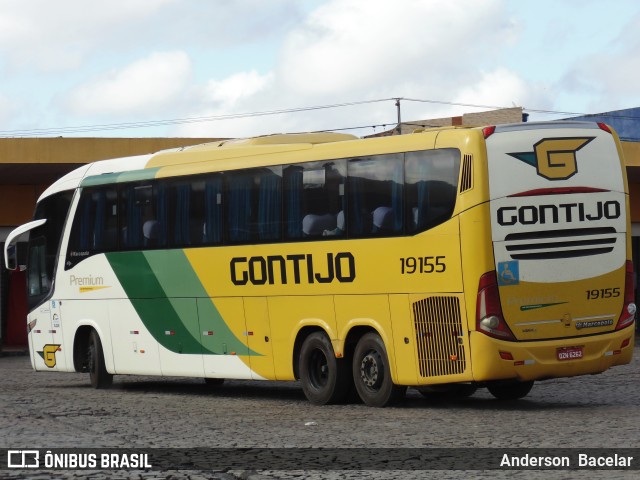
(212, 227)
(95, 225)
(314, 200)
(269, 203)
(431, 178)
(137, 207)
(239, 206)
(375, 195)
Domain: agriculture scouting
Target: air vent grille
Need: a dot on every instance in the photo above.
(439, 336)
(466, 179)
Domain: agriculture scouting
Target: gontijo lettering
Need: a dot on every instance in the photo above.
(565, 212)
(307, 268)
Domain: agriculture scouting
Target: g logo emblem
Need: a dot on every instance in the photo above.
(48, 354)
(554, 158)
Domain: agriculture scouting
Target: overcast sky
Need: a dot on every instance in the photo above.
(79, 63)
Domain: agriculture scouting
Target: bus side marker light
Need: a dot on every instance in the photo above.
(506, 356)
(134, 332)
(207, 333)
(31, 325)
(453, 358)
(142, 350)
(611, 353)
(169, 332)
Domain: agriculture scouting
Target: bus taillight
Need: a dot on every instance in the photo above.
(489, 318)
(629, 308)
(604, 127)
(488, 131)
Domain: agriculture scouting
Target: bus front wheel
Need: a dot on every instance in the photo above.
(324, 378)
(510, 390)
(372, 375)
(98, 374)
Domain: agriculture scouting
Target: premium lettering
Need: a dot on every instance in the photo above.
(296, 268)
(563, 213)
(86, 281)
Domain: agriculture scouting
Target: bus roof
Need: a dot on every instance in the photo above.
(257, 151)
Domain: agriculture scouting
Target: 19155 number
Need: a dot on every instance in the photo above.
(410, 265)
(603, 293)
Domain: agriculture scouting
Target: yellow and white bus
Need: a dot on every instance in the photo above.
(446, 260)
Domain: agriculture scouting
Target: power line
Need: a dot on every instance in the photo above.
(233, 116)
(177, 121)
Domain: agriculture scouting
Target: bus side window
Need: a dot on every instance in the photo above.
(254, 205)
(314, 200)
(95, 225)
(269, 204)
(137, 214)
(376, 195)
(431, 178)
(212, 227)
(240, 211)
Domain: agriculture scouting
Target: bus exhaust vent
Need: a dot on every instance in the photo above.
(555, 244)
(466, 179)
(439, 336)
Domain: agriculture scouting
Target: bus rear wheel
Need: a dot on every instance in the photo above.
(510, 390)
(325, 379)
(372, 375)
(98, 374)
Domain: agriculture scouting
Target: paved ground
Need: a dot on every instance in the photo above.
(60, 410)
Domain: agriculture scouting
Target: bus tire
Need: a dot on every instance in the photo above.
(325, 379)
(510, 390)
(98, 374)
(372, 375)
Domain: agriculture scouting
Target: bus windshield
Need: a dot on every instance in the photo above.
(44, 244)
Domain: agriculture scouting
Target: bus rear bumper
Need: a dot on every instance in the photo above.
(494, 359)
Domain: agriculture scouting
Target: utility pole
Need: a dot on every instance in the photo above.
(399, 127)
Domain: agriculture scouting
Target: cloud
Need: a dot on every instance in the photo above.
(57, 36)
(608, 80)
(238, 86)
(49, 36)
(352, 45)
(143, 87)
(352, 50)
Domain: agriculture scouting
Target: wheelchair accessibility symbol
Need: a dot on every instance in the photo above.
(508, 273)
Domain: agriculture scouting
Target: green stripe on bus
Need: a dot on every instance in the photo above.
(130, 176)
(172, 303)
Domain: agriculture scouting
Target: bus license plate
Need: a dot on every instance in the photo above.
(569, 353)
